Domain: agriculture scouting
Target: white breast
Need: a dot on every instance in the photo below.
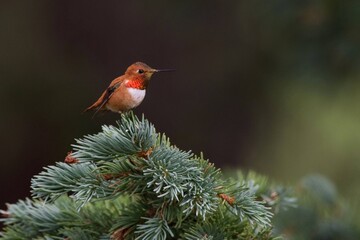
(137, 96)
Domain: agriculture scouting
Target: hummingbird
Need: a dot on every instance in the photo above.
(127, 91)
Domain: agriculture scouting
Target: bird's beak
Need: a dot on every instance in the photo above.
(162, 70)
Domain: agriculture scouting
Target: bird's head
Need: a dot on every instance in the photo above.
(142, 71)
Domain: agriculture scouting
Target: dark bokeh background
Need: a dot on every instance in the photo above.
(266, 85)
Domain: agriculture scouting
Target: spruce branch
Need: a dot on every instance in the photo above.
(129, 218)
(153, 228)
(225, 225)
(130, 182)
(248, 208)
(168, 171)
(82, 181)
(32, 219)
(131, 136)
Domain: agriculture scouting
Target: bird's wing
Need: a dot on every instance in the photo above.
(100, 103)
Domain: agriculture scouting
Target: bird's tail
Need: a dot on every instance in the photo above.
(98, 105)
(94, 107)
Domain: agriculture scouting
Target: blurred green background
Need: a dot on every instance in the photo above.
(271, 86)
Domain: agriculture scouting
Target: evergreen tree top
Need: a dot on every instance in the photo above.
(130, 182)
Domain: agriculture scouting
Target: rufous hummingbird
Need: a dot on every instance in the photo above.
(127, 91)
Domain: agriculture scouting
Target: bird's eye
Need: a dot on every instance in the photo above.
(140, 71)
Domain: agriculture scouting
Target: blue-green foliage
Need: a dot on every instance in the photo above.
(129, 182)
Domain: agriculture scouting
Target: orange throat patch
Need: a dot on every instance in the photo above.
(137, 84)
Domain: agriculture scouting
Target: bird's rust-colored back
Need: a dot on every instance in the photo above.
(105, 96)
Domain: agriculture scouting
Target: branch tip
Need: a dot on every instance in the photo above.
(146, 153)
(227, 198)
(70, 159)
